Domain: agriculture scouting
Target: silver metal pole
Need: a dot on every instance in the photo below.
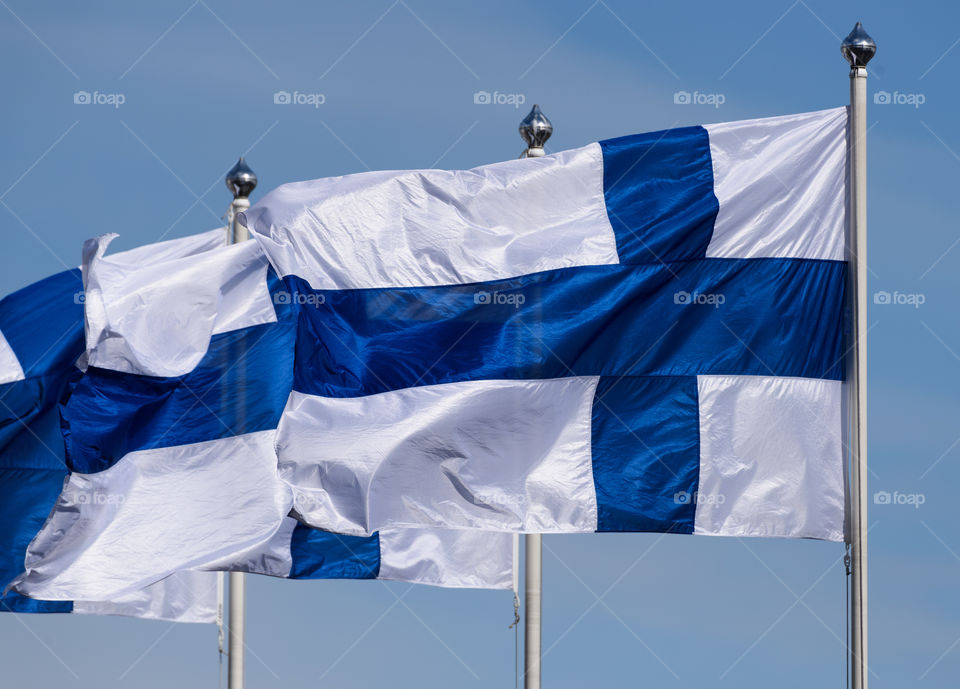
(535, 130)
(532, 611)
(237, 629)
(858, 48)
(241, 181)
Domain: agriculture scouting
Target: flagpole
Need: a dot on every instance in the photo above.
(858, 48)
(532, 610)
(241, 181)
(535, 130)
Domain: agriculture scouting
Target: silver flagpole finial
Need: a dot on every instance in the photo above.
(858, 48)
(241, 180)
(535, 130)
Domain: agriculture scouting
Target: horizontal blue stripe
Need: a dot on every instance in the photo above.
(43, 323)
(659, 194)
(778, 317)
(240, 386)
(645, 453)
(319, 554)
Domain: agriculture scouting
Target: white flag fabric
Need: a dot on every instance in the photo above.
(181, 597)
(171, 435)
(643, 334)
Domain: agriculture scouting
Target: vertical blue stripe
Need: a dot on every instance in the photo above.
(26, 498)
(320, 554)
(659, 193)
(43, 323)
(646, 453)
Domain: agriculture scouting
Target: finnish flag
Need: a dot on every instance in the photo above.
(41, 339)
(642, 334)
(170, 435)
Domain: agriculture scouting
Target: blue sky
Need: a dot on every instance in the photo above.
(197, 81)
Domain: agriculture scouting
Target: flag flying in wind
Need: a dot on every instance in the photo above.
(41, 339)
(170, 438)
(643, 334)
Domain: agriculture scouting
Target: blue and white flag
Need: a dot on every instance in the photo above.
(41, 339)
(170, 438)
(643, 334)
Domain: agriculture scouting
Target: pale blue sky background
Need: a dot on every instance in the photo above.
(398, 79)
